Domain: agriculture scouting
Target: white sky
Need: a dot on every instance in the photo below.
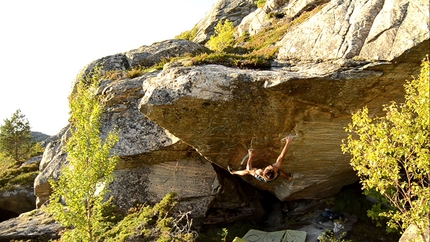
(44, 44)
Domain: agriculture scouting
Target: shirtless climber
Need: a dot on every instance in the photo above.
(270, 172)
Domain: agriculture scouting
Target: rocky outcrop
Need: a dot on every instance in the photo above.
(143, 147)
(180, 128)
(367, 30)
(150, 55)
(253, 22)
(275, 9)
(233, 10)
(137, 135)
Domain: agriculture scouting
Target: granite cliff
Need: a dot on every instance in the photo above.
(181, 127)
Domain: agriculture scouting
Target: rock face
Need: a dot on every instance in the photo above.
(370, 30)
(52, 160)
(263, 17)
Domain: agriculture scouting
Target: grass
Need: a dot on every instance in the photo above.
(20, 176)
(188, 34)
(133, 72)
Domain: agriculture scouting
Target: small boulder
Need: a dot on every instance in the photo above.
(34, 226)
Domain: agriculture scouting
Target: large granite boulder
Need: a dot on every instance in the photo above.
(221, 111)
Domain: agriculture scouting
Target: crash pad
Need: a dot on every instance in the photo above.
(254, 235)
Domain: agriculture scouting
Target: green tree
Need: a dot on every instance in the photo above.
(391, 155)
(15, 137)
(223, 37)
(77, 198)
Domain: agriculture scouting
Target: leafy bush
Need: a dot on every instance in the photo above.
(223, 37)
(391, 155)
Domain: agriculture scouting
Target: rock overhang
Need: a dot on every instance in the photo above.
(261, 107)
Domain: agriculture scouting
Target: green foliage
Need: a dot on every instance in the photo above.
(82, 184)
(15, 137)
(223, 37)
(134, 72)
(223, 234)
(234, 60)
(259, 3)
(188, 35)
(157, 223)
(352, 202)
(391, 154)
(329, 236)
(6, 162)
(23, 175)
